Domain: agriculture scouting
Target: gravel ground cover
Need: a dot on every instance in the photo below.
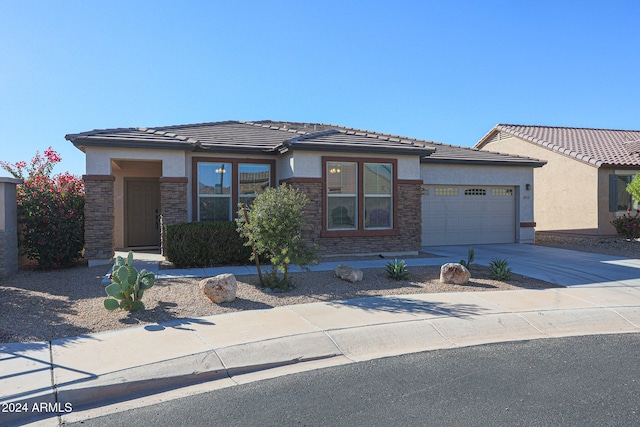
(46, 305)
(608, 245)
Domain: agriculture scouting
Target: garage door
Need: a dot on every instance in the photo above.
(464, 215)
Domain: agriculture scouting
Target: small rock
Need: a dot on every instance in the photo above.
(221, 288)
(453, 273)
(348, 273)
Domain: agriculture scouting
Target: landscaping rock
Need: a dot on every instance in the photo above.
(348, 273)
(453, 273)
(221, 288)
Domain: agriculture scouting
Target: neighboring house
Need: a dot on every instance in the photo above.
(583, 186)
(369, 192)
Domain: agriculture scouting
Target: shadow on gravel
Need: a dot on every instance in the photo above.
(406, 305)
(18, 309)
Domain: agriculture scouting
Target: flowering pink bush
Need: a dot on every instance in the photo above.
(627, 225)
(50, 211)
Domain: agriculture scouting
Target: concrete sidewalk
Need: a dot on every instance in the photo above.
(87, 376)
(76, 378)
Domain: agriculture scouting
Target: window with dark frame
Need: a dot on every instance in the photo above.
(223, 183)
(359, 195)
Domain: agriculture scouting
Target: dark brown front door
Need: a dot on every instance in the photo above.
(142, 212)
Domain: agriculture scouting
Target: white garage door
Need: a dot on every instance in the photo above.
(464, 215)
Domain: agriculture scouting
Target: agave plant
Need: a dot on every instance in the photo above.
(499, 269)
(397, 270)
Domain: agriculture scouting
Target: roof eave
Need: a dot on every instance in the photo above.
(534, 164)
(482, 142)
(418, 151)
(120, 143)
(234, 149)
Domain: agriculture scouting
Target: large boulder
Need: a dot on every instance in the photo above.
(221, 288)
(453, 273)
(350, 274)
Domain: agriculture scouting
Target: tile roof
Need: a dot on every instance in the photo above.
(271, 137)
(444, 153)
(259, 137)
(599, 147)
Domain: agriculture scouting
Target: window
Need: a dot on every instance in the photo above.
(378, 183)
(359, 196)
(619, 199)
(446, 191)
(342, 192)
(475, 192)
(502, 191)
(214, 191)
(253, 179)
(220, 184)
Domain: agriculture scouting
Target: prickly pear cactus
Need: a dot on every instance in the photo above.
(127, 285)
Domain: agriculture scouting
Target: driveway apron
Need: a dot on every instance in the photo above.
(558, 266)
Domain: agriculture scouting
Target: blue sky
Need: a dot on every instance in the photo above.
(446, 71)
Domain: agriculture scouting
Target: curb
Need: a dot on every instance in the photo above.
(298, 338)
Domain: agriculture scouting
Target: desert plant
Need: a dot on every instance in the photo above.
(470, 257)
(499, 269)
(127, 285)
(50, 211)
(397, 270)
(273, 225)
(628, 225)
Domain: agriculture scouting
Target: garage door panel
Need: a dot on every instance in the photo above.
(483, 215)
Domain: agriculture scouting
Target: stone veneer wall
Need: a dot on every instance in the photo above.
(98, 217)
(409, 223)
(173, 204)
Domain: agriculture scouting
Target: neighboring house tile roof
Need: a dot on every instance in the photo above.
(271, 137)
(599, 147)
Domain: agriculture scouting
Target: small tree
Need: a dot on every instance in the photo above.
(50, 211)
(274, 228)
(633, 188)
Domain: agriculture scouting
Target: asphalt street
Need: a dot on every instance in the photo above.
(576, 381)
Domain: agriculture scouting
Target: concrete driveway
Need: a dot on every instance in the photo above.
(559, 266)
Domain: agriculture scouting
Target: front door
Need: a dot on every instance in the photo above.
(142, 212)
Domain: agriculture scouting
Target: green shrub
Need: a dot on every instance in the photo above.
(397, 270)
(275, 229)
(627, 225)
(205, 244)
(499, 269)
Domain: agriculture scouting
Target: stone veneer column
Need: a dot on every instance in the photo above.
(8, 227)
(98, 219)
(410, 214)
(173, 204)
(312, 188)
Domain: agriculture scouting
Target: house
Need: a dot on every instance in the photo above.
(369, 192)
(583, 186)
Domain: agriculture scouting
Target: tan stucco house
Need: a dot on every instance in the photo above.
(369, 192)
(582, 188)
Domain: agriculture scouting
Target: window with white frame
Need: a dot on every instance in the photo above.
(342, 195)
(378, 195)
